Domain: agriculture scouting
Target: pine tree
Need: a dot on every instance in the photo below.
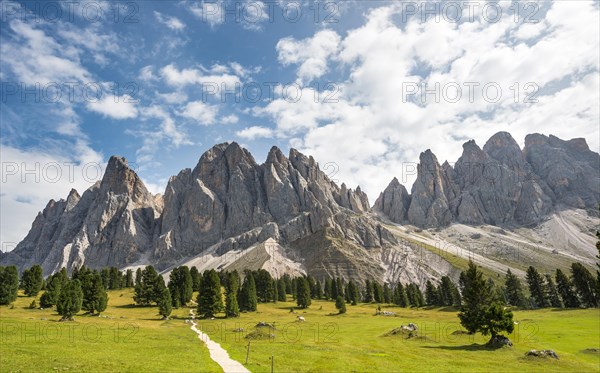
(552, 293)
(165, 301)
(585, 284)
(210, 300)
(477, 296)
(514, 290)
(281, 296)
(431, 296)
(138, 277)
(70, 300)
(32, 279)
(387, 294)
(146, 290)
(340, 287)
(537, 288)
(353, 293)
(129, 278)
(231, 304)
(195, 278)
(377, 292)
(95, 298)
(248, 297)
(9, 284)
(400, 297)
(566, 291)
(447, 292)
(181, 286)
(480, 312)
(114, 279)
(334, 289)
(105, 274)
(340, 304)
(327, 289)
(302, 293)
(319, 290)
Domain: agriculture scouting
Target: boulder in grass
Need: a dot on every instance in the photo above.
(542, 353)
(499, 341)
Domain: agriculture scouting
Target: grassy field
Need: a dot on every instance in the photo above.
(130, 339)
(33, 340)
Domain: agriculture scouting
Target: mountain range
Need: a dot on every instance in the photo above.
(500, 205)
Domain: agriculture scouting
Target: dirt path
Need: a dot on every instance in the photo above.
(217, 353)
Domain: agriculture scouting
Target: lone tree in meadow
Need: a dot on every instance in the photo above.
(210, 301)
(32, 279)
(70, 300)
(340, 304)
(9, 284)
(514, 290)
(479, 312)
(165, 306)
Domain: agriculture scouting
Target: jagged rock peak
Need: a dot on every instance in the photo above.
(275, 156)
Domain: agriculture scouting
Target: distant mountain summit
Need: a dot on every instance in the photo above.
(498, 185)
(288, 212)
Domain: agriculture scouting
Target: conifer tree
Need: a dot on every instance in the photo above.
(585, 284)
(95, 298)
(537, 288)
(334, 289)
(146, 291)
(302, 293)
(195, 278)
(165, 301)
(340, 304)
(281, 296)
(566, 291)
(552, 293)
(9, 284)
(431, 296)
(352, 293)
(70, 300)
(210, 301)
(32, 279)
(514, 290)
(319, 290)
(387, 294)
(327, 290)
(129, 279)
(247, 298)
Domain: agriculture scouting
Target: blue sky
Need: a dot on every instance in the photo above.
(138, 70)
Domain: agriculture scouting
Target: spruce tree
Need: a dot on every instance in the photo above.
(129, 279)
(387, 294)
(248, 298)
(115, 279)
(566, 291)
(105, 274)
(377, 292)
(480, 311)
(146, 291)
(552, 293)
(340, 304)
(165, 301)
(195, 278)
(585, 284)
(281, 296)
(537, 288)
(327, 290)
(302, 293)
(9, 284)
(70, 300)
(353, 293)
(181, 286)
(431, 295)
(95, 298)
(514, 290)
(210, 301)
(447, 292)
(400, 297)
(319, 290)
(334, 289)
(340, 287)
(50, 296)
(231, 304)
(32, 279)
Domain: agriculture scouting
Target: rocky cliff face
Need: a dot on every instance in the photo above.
(227, 203)
(499, 184)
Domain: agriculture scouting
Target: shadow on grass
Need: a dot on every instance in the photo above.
(471, 347)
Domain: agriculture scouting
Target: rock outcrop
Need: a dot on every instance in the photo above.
(499, 184)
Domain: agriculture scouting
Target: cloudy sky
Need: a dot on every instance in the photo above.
(362, 86)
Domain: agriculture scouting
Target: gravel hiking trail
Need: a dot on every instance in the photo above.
(217, 353)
